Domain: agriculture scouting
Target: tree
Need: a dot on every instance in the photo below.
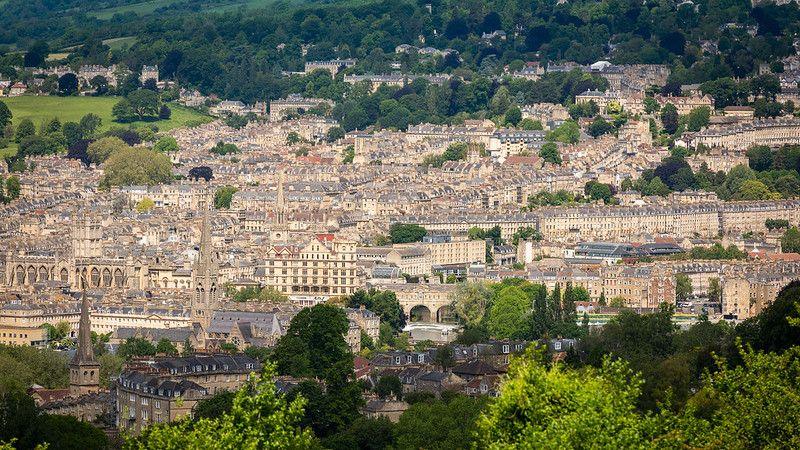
(165, 347)
(260, 417)
(123, 111)
(215, 407)
(513, 115)
(222, 148)
(509, 314)
(68, 84)
(145, 205)
(135, 346)
(203, 172)
(166, 144)
(790, 242)
(36, 54)
(698, 118)
(595, 408)
(144, 103)
(469, 301)
(293, 138)
(164, 112)
(89, 125)
(669, 118)
(100, 150)
(755, 404)
(568, 133)
(18, 413)
(444, 357)
(600, 127)
(754, 190)
(236, 121)
(334, 134)
(100, 84)
(314, 343)
(439, 424)
(64, 432)
(389, 385)
(760, 157)
(364, 433)
(223, 197)
(136, 166)
(683, 287)
(599, 191)
(714, 290)
(72, 134)
(24, 129)
(549, 152)
(382, 303)
(401, 233)
(13, 187)
(5, 115)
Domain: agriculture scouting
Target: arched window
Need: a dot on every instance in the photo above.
(106, 277)
(31, 275)
(20, 275)
(43, 274)
(64, 275)
(95, 281)
(119, 280)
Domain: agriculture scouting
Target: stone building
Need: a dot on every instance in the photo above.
(167, 389)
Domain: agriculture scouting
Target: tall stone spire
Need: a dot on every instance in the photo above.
(84, 371)
(280, 201)
(205, 274)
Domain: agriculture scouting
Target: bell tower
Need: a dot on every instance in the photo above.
(84, 370)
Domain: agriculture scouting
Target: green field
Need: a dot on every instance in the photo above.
(140, 9)
(148, 7)
(71, 109)
(120, 42)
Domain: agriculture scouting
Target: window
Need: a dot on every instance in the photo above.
(506, 348)
(145, 400)
(420, 358)
(157, 404)
(557, 345)
(144, 414)
(397, 360)
(133, 398)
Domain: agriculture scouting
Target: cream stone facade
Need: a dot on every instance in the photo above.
(740, 137)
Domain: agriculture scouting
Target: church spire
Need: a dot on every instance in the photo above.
(280, 201)
(85, 352)
(84, 371)
(204, 275)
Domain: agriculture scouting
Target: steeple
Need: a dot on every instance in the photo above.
(204, 274)
(84, 371)
(280, 202)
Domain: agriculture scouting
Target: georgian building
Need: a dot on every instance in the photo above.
(741, 136)
(167, 389)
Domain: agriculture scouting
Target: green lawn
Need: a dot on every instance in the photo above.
(71, 109)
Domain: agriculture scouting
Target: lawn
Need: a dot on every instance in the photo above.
(70, 109)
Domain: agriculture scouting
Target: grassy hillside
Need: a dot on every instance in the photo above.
(71, 109)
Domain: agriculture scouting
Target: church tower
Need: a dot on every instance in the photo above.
(84, 370)
(205, 277)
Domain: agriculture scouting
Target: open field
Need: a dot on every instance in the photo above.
(71, 109)
(140, 9)
(148, 7)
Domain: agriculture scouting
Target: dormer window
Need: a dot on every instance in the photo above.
(397, 360)
(557, 345)
(506, 348)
